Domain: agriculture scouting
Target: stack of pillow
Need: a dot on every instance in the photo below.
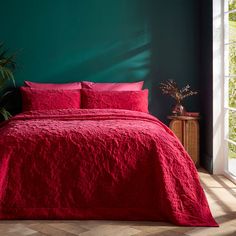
(86, 95)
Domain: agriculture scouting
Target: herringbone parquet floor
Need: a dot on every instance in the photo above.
(221, 194)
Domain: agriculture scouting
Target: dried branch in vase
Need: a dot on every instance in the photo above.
(170, 88)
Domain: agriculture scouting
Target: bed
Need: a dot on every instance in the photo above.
(112, 164)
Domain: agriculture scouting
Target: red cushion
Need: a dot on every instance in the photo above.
(37, 99)
(75, 85)
(136, 86)
(129, 100)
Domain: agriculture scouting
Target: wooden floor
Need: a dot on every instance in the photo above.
(221, 194)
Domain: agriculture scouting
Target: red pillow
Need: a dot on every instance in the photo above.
(37, 99)
(75, 85)
(136, 86)
(128, 100)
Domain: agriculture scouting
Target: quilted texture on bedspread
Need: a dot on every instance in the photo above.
(97, 164)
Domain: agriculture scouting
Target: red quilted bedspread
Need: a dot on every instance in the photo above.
(97, 164)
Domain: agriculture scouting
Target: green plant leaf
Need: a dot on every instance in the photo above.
(7, 65)
(6, 94)
(6, 115)
(6, 74)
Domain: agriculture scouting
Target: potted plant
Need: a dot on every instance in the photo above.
(171, 88)
(7, 66)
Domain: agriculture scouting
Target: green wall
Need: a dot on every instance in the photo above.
(71, 40)
(105, 40)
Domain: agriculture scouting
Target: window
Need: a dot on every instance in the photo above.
(230, 85)
(224, 88)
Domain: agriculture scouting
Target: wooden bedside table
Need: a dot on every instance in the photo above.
(186, 128)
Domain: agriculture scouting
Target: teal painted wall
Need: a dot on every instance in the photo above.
(105, 40)
(71, 40)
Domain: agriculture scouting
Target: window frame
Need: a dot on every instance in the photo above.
(220, 90)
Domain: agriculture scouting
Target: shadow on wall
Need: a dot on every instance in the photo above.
(123, 61)
(130, 58)
(130, 61)
(144, 40)
(174, 46)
